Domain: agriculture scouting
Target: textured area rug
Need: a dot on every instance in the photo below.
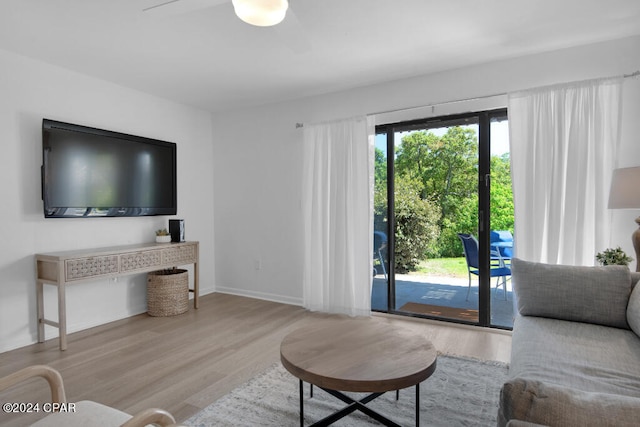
(462, 392)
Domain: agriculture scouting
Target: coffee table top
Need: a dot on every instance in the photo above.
(360, 355)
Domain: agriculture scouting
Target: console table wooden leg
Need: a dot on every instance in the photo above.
(40, 309)
(196, 290)
(62, 316)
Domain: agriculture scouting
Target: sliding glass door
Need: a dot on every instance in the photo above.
(432, 254)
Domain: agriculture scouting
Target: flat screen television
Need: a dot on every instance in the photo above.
(88, 172)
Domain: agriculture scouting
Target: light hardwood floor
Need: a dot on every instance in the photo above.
(184, 363)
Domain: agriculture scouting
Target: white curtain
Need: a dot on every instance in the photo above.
(564, 141)
(337, 203)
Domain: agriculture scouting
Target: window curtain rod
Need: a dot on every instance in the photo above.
(299, 125)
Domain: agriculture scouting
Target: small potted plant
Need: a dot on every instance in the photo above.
(163, 236)
(613, 257)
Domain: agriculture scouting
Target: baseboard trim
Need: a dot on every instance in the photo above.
(259, 295)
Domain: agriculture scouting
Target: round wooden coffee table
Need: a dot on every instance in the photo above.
(358, 355)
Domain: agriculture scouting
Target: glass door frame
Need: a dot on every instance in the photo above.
(483, 119)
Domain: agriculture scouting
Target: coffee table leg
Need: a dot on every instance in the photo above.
(301, 403)
(353, 406)
(418, 405)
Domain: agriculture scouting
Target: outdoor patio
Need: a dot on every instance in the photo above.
(446, 292)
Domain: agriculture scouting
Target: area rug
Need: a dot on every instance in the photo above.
(467, 314)
(462, 392)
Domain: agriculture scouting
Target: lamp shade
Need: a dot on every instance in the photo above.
(625, 189)
(262, 13)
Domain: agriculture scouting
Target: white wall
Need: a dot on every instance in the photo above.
(257, 155)
(31, 90)
(253, 169)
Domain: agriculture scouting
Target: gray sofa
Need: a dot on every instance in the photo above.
(575, 358)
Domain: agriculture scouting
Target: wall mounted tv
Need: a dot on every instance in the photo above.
(88, 172)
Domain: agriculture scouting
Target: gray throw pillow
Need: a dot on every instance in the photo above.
(633, 310)
(596, 295)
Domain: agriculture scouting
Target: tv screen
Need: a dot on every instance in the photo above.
(88, 172)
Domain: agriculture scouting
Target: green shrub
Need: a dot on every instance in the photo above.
(416, 225)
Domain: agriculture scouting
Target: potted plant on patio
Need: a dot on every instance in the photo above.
(612, 256)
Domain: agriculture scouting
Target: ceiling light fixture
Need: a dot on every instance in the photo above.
(262, 13)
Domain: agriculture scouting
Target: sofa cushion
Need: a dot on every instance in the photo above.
(587, 357)
(633, 310)
(553, 405)
(582, 294)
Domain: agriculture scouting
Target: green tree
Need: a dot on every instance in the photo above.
(447, 167)
(380, 168)
(416, 220)
(380, 191)
(501, 193)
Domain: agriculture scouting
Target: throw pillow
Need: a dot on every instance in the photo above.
(596, 295)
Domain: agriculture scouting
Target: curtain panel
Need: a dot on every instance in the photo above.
(337, 203)
(564, 140)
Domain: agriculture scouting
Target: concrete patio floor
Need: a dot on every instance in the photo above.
(443, 291)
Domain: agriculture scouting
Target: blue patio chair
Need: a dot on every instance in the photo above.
(470, 246)
(502, 241)
(379, 243)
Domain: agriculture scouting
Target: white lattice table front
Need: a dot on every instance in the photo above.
(84, 268)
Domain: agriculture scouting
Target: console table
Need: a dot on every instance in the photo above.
(65, 268)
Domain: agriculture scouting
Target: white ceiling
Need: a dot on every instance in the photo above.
(198, 53)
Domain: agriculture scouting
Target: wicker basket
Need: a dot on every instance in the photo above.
(167, 292)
